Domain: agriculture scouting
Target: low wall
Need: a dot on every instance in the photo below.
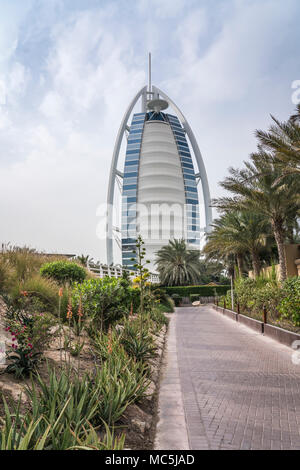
(278, 334)
(230, 314)
(282, 336)
(251, 323)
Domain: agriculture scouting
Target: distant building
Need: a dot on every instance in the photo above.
(159, 196)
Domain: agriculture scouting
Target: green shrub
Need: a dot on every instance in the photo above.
(41, 294)
(176, 299)
(158, 316)
(167, 305)
(289, 306)
(138, 346)
(194, 297)
(202, 291)
(63, 271)
(104, 300)
(30, 335)
(254, 295)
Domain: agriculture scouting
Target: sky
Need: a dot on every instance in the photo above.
(69, 68)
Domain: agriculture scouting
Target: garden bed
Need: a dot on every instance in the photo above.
(139, 419)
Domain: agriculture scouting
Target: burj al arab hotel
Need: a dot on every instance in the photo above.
(162, 169)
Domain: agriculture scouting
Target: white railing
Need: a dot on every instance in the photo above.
(104, 270)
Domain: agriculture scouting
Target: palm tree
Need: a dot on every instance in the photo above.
(257, 188)
(239, 233)
(282, 140)
(178, 266)
(83, 259)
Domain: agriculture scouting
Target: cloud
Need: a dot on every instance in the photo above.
(69, 136)
(70, 70)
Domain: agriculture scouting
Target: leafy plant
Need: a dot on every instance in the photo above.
(289, 306)
(137, 345)
(41, 294)
(23, 362)
(63, 271)
(30, 334)
(31, 432)
(176, 299)
(202, 291)
(102, 299)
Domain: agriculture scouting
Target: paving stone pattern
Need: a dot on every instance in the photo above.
(239, 389)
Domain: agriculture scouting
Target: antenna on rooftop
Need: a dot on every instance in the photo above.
(149, 74)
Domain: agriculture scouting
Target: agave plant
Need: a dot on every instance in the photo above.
(140, 347)
(24, 432)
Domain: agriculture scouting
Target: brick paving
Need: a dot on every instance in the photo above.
(240, 390)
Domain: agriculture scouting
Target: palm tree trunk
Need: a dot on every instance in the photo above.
(240, 264)
(279, 238)
(255, 263)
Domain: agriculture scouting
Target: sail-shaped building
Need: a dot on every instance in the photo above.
(162, 168)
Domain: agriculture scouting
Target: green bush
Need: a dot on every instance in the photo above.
(63, 271)
(158, 316)
(41, 294)
(202, 291)
(194, 297)
(289, 306)
(104, 300)
(254, 295)
(176, 299)
(168, 305)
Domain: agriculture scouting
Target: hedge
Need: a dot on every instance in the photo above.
(202, 291)
(63, 271)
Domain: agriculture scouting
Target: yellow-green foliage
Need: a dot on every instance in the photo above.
(42, 290)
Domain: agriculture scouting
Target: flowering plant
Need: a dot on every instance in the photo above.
(30, 333)
(23, 358)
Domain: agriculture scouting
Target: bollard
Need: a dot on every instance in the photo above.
(224, 304)
(238, 308)
(265, 315)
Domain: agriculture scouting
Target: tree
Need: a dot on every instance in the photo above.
(177, 265)
(239, 233)
(258, 188)
(282, 141)
(83, 259)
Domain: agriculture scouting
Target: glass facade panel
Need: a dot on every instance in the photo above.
(129, 169)
(130, 173)
(129, 195)
(191, 192)
(129, 186)
(133, 141)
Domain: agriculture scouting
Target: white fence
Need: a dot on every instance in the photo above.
(103, 270)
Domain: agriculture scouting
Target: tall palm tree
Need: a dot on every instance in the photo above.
(257, 188)
(83, 259)
(177, 265)
(283, 141)
(239, 233)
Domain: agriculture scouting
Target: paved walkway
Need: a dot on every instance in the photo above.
(227, 387)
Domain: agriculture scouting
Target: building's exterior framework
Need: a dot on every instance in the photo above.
(158, 169)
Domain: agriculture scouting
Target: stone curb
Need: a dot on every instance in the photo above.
(171, 431)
